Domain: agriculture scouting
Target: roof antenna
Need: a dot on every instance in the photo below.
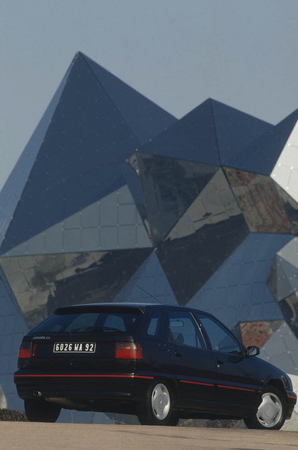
(149, 294)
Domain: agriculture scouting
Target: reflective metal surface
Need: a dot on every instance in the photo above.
(191, 138)
(261, 154)
(204, 237)
(259, 201)
(169, 186)
(114, 199)
(78, 160)
(42, 283)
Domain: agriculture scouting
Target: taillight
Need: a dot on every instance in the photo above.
(25, 350)
(128, 350)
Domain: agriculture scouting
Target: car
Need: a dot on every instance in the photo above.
(157, 361)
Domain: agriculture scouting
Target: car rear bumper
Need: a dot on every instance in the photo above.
(95, 386)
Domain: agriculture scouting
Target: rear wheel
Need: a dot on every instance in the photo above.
(157, 406)
(39, 410)
(271, 413)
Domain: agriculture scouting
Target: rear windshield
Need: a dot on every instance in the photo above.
(88, 322)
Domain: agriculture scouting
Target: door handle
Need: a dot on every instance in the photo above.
(219, 362)
(178, 354)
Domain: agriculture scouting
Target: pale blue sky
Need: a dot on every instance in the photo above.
(178, 53)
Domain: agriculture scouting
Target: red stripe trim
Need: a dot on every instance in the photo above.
(237, 388)
(196, 382)
(292, 396)
(84, 376)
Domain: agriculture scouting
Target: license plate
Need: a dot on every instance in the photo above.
(74, 347)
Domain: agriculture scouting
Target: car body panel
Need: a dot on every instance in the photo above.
(204, 380)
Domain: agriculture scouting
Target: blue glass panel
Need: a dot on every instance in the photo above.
(262, 155)
(235, 129)
(191, 138)
(144, 118)
(234, 299)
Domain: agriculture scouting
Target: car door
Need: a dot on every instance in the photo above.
(193, 365)
(238, 381)
(155, 359)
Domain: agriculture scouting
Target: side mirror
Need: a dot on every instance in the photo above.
(252, 350)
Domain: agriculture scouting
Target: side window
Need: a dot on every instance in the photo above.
(221, 340)
(154, 324)
(183, 330)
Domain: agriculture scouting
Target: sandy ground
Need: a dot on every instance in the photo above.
(42, 436)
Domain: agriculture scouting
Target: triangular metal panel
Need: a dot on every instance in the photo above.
(237, 291)
(191, 138)
(277, 280)
(170, 186)
(111, 223)
(281, 349)
(208, 232)
(85, 144)
(144, 117)
(261, 155)
(285, 171)
(291, 275)
(235, 129)
(148, 285)
(259, 201)
(14, 186)
(42, 283)
(12, 329)
(290, 252)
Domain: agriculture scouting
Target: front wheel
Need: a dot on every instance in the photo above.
(40, 410)
(157, 406)
(271, 413)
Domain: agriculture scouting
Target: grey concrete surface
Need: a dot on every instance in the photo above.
(41, 436)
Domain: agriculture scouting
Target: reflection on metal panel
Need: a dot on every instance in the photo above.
(148, 284)
(289, 308)
(170, 186)
(42, 283)
(112, 223)
(259, 201)
(204, 237)
(257, 333)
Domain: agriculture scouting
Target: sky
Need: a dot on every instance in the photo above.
(177, 53)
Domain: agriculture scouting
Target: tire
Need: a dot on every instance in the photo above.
(271, 413)
(157, 406)
(40, 410)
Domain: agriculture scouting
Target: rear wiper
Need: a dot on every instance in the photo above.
(95, 329)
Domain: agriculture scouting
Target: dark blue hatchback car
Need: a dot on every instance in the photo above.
(160, 362)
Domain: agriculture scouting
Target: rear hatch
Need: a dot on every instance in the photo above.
(85, 339)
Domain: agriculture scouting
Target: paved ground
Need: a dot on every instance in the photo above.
(35, 436)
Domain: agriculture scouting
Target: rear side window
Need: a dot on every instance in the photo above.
(88, 322)
(154, 324)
